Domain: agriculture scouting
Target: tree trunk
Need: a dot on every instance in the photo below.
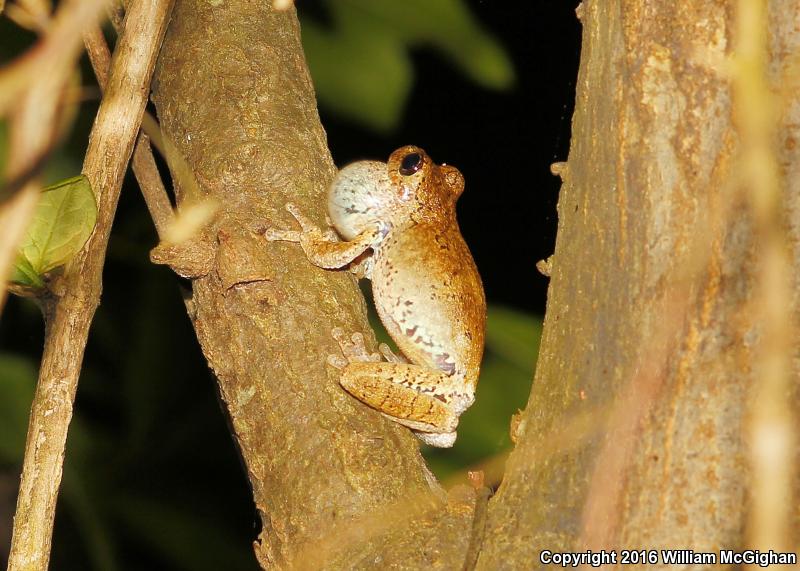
(334, 482)
(634, 436)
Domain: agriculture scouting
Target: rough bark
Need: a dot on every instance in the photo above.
(335, 483)
(649, 341)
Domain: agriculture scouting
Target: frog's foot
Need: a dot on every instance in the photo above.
(323, 248)
(337, 361)
(353, 348)
(278, 235)
(310, 229)
(390, 355)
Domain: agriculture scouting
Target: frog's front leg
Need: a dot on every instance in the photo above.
(423, 399)
(324, 250)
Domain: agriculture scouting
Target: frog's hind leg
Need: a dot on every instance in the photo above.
(423, 399)
(419, 398)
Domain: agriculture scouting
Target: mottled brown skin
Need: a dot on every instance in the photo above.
(399, 219)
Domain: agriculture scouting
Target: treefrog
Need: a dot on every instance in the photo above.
(398, 222)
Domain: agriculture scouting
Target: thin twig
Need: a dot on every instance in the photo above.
(99, 54)
(187, 191)
(69, 319)
(24, 19)
(143, 162)
(153, 190)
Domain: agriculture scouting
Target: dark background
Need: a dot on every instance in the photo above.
(503, 142)
(131, 495)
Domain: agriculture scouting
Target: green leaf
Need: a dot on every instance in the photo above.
(23, 273)
(362, 75)
(63, 221)
(514, 335)
(445, 25)
(361, 66)
(17, 383)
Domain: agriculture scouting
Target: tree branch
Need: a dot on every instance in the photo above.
(143, 163)
(336, 484)
(70, 315)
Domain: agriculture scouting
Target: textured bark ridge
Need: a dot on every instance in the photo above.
(649, 341)
(335, 483)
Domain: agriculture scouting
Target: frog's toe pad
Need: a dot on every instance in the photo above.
(358, 340)
(359, 350)
(337, 361)
(276, 235)
(305, 223)
(354, 347)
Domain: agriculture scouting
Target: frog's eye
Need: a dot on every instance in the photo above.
(410, 164)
